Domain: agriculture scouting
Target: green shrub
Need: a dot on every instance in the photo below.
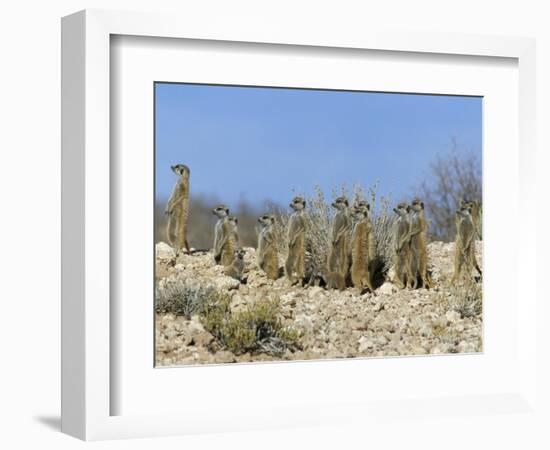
(257, 329)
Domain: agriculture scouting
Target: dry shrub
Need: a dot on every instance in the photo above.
(257, 329)
(319, 215)
(183, 297)
(466, 299)
(453, 176)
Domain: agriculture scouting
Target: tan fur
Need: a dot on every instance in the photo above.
(338, 260)
(362, 250)
(295, 262)
(335, 280)
(419, 246)
(267, 258)
(232, 242)
(464, 260)
(475, 211)
(402, 247)
(236, 268)
(177, 209)
(224, 236)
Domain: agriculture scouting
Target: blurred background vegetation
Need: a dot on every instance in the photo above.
(451, 177)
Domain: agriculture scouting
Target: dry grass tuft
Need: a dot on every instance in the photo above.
(466, 299)
(319, 215)
(183, 297)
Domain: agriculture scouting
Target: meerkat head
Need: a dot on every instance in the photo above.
(467, 204)
(402, 209)
(417, 205)
(464, 211)
(298, 203)
(363, 205)
(221, 211)
(233, 220)
(266, 220)
(180, 169)
(359, 213)
(340, 203)
(239, 253)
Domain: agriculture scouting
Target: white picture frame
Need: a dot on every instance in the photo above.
(88, 386)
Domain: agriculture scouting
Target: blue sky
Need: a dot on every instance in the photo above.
(261, 143)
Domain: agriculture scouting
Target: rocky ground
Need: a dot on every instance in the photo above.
(332, 324)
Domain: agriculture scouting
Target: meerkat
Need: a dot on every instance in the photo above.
(402, 246)
(295, 261)
(341, 226)
(464, 244)
(419, 246)
(224, 236)
(362, 249)
(328, 280)
(475, 211)
(475, 208)
(267, 247)
(236, 268)
(361, 204)
(233, 238)
(333, 280)
(177, 209)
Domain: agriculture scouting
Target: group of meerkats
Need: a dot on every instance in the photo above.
(352, 241)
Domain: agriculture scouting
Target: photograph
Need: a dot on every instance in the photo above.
(295, 224)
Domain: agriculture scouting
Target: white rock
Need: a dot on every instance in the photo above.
(387, 288)
(164, 252)
(225, 283)
(364, 344)
(452, 316)
(466, 347)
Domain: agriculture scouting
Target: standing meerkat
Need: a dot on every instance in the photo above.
(475, 208)
(236, 268)
(402, 246)
(268, 260)
(419, 246)
(177, 208)
(475, 211)
(464, 244)
(341, 226)
(233, 238)
(362, 249)
(295, 261)
(224, 236)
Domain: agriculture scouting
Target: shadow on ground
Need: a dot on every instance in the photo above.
(51, 422)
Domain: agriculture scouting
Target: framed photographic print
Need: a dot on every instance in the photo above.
(261, 228)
